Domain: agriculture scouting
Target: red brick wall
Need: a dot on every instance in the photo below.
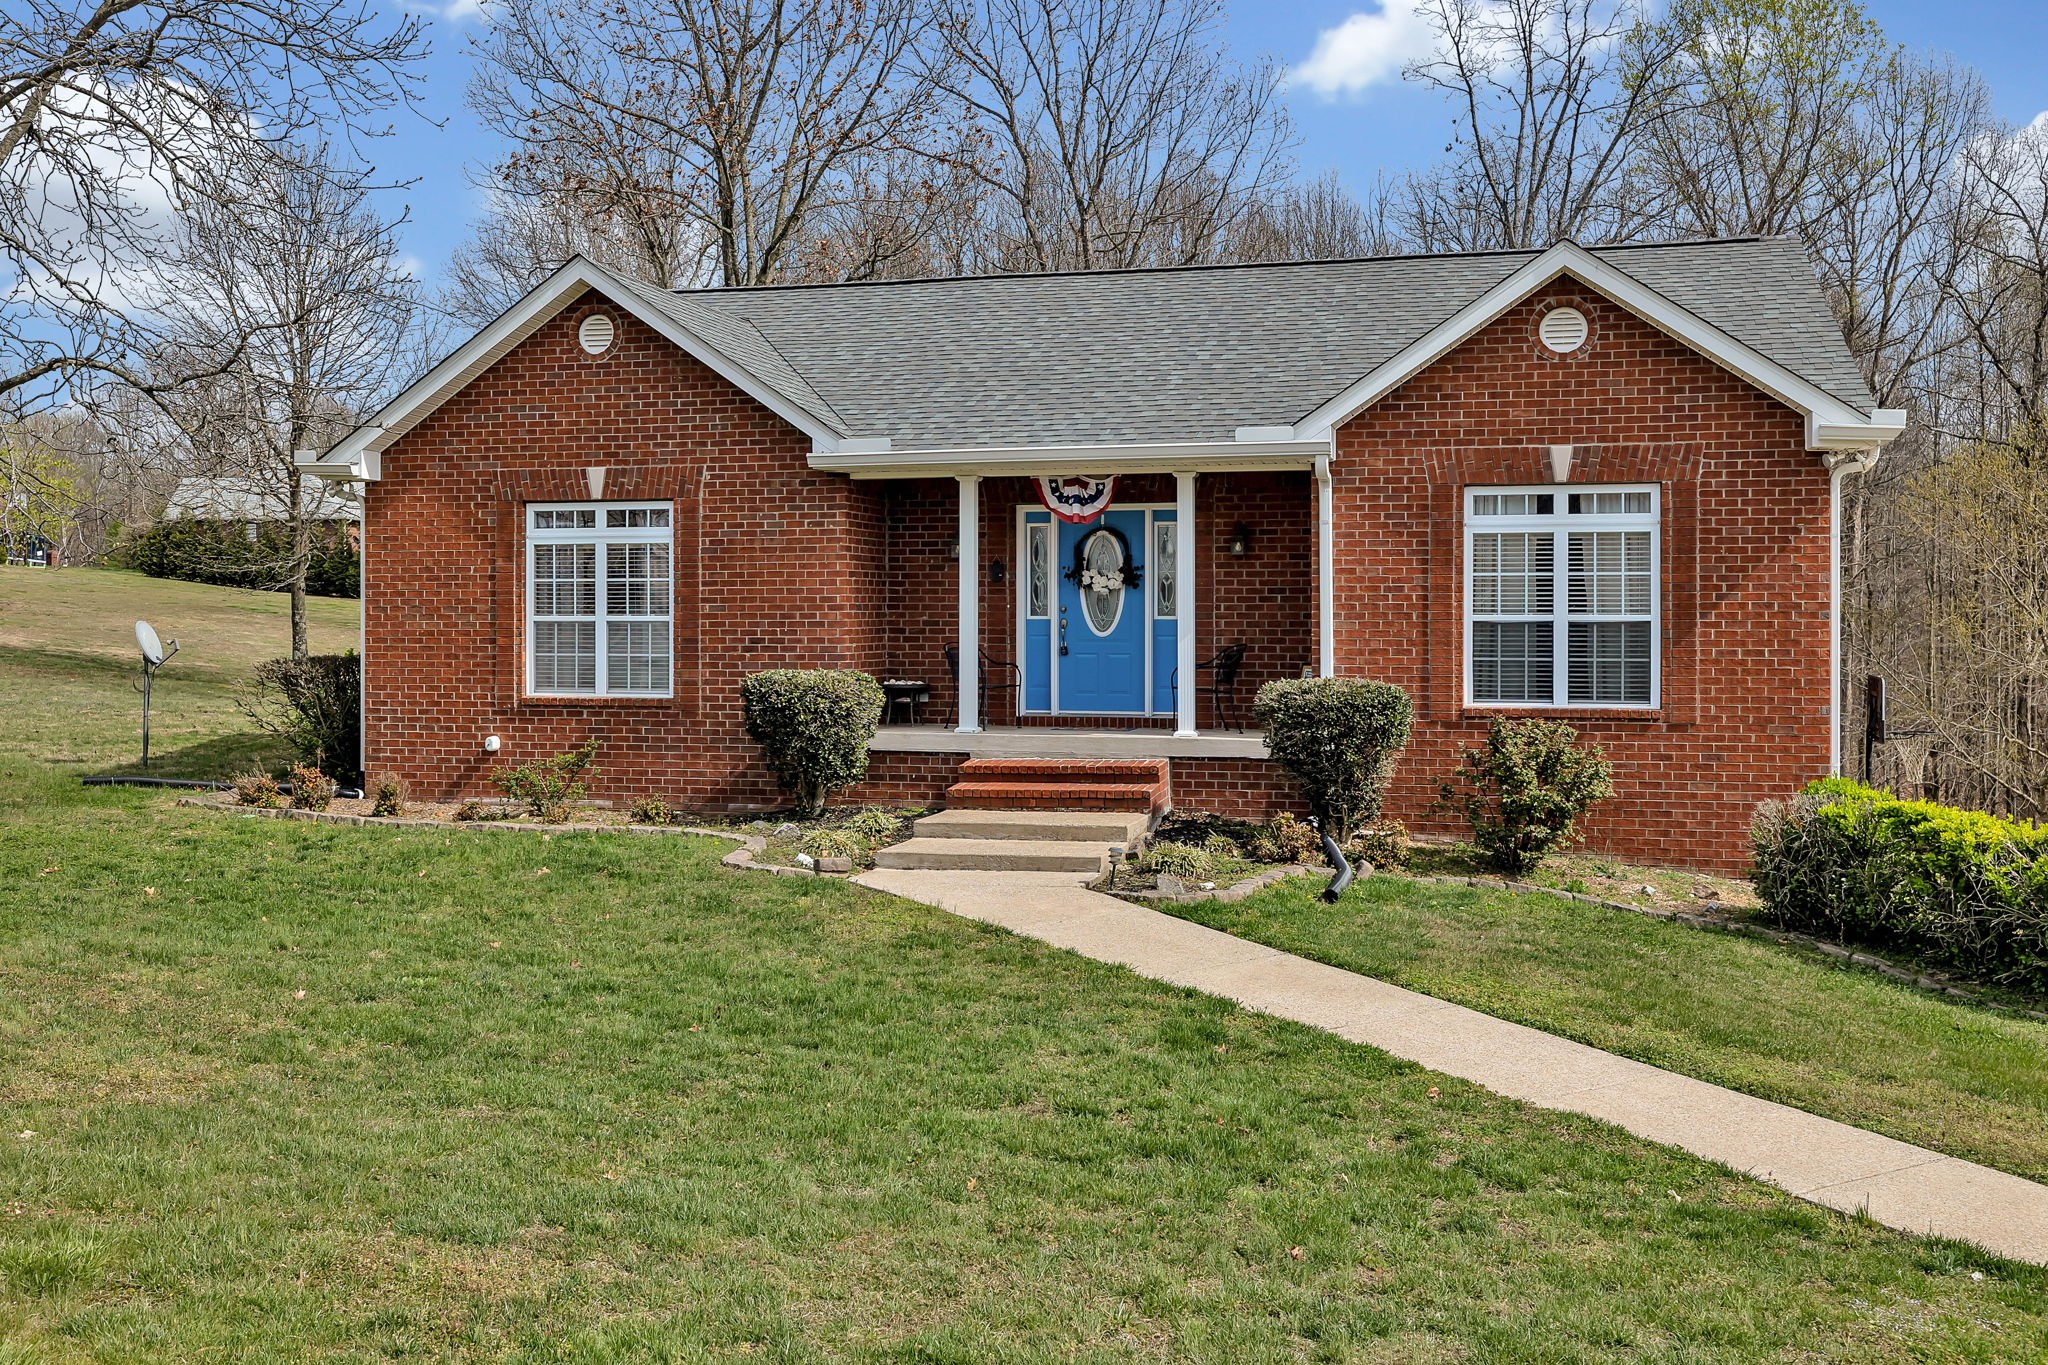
(1745, 565)
(775, 565)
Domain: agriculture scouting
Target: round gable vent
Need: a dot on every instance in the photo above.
(1563, 329)
(595, 335)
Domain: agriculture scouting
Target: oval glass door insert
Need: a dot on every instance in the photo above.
(1102, 581)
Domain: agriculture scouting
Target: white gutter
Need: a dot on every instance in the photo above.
(1163, 457)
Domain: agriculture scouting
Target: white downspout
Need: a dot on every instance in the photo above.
(1326, 572)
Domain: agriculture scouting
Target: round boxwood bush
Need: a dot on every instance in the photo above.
(1337, 738)
(813, 726)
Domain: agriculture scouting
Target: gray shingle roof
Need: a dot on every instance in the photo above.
(1189, 354)
(234, 498)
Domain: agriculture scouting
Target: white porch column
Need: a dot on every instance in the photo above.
(1326, 573)
(1184, 565)
(970, 604)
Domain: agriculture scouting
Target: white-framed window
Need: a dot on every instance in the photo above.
(600, 599)
(1561, 597)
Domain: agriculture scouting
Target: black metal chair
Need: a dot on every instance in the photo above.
(1222, 667)
(989, 669)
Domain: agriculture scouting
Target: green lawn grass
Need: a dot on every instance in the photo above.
(279, 1091)
(1751, 1015)
(68, 661)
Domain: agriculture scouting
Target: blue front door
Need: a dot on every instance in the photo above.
(1100, 624)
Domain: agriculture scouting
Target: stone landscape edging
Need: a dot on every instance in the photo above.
(1236, 891)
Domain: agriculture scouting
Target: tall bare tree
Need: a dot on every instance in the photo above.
(715, 134)
(1549, 97)
(291, 296)
(1118, 132)
(113, 112)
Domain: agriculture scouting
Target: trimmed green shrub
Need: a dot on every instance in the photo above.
(259, 789)
(813, 726)
(1959, 887)
(1337, 738)
(549, 786)
(315, 705)
(224, 554)
(1524, 790)
(311, 788)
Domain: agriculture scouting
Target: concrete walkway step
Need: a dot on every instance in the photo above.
(1819, 1159)
(996, 855)
(1077, 826)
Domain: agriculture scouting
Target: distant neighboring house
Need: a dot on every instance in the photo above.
(242, 502)
(35, 549)
(1597, 485)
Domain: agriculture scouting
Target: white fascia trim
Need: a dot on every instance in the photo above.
(1830, 423)
(1137, 458)
(334, 471)
(358, 452)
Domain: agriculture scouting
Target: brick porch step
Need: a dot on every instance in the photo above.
(1131, 796)
(1054, 784)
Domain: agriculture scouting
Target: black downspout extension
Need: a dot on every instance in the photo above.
(1337, 859)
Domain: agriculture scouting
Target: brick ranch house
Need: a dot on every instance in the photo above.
(1600, 485)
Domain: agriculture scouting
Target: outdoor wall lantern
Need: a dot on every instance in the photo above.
(1241, 540)
(996, 571)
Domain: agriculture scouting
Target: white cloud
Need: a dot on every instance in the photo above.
(458, 10)
(1367, 49)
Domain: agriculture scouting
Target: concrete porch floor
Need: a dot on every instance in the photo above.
(1050, 741)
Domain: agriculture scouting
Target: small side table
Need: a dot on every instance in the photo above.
(908, 693)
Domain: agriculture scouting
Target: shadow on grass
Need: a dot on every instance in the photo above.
(220, 759)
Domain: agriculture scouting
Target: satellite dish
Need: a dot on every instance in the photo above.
(152, 648)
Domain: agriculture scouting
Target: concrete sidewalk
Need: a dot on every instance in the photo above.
(1830, 1163)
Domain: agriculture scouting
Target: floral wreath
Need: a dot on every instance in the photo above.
(1097, 580)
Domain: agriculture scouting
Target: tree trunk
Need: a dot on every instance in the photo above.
(302, 550)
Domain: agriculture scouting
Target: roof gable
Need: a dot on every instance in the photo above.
(734, 351)
(1829, 418)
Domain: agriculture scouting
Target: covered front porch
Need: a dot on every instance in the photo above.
(1022, 632)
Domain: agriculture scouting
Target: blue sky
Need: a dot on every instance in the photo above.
(1377, 123)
